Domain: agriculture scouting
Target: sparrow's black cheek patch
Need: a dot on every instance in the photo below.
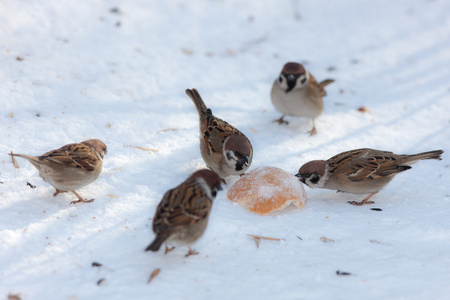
(239, 165)
(314, 179)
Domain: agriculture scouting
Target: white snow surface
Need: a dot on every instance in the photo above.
(118, 70)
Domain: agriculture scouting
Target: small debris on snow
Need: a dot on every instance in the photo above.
(186, 51)
(331, 68)
(142, 148)
(363, 109)
(154, 274)
(326, 240)
(115, 10)
(13, 297)
(167, 129)
(343, 273)
(258, 238)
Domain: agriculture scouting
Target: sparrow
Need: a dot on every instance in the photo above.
(359, 171)
(297, 93)
(224, 148)
(70, 167)
(183, 213)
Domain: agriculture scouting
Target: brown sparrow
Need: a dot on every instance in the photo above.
(224, 149)
(183, 213)
(359, 171)
(70, 167)
(297, 93)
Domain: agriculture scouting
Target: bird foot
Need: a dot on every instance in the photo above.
(365, 201)
(82, 201)
(360, 203)
(167, 250)
(191, 252)
(313, 131)
(58, 192)
(281, 121)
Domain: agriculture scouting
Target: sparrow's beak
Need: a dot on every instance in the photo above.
(300, 177)
(291, 81)
(245, 159)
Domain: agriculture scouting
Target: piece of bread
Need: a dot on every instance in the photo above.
(266, 189)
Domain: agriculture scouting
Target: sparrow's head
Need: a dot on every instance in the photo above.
(313, 174)
(293, 76)
(98, 146)
(238, 151)
(212, 180)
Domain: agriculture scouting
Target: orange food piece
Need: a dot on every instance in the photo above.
(266, 189)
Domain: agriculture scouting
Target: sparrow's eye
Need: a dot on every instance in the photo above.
(303, 79)
(280, 79)
(229, 156)
(214, 192)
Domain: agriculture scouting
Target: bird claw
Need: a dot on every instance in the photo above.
(360, 203)
(281, 121)
(58, 192)
(82, 201)
(365, 201)
(167, 250)
(191, 252)
(313, 131)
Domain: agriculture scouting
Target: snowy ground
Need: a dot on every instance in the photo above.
(117, 71)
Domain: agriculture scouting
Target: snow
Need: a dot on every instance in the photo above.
(74, 70)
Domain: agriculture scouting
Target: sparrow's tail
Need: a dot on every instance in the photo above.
(157, 242)
(326, 82)
(322, 86)
(198, 101)
(410, 159)
(34, 160)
